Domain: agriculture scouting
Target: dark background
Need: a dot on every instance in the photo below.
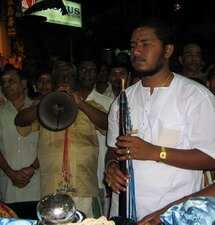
(108, 24)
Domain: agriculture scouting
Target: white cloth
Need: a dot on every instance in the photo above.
(19, 152)
(106, 102)
(109, 91)
(181, 116)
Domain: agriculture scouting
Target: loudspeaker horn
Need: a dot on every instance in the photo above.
(57, 111)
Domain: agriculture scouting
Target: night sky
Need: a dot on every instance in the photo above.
(108, 24)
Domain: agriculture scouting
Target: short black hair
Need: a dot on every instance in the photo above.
(162, 29)
(18, 72)
(43, 72)
(116, 64)
(186, 41)
(93, 59)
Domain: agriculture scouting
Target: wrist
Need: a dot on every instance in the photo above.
(6, 168)
(81, 104)
(162, 154)
(33, 166)
(111, 162)
(185, 198)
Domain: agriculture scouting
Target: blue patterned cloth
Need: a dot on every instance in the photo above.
(195, 211)
(16, 221)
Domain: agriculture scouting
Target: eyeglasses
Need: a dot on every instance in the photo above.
(87, 70)
(191, 55)
(9, 81)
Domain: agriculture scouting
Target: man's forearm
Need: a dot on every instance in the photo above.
(26, 116)
(110, 155)
(189, 159)
(98, 117)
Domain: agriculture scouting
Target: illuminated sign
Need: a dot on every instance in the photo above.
(54, 15)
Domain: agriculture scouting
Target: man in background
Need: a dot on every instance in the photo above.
(87, 71)
(19, 175)
(70, 156)
(190, 58)
(117, 72)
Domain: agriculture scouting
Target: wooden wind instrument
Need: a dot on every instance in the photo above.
(122, 131)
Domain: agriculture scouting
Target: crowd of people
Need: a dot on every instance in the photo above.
(169, 142)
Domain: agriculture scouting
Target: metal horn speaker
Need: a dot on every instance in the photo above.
(57, 111)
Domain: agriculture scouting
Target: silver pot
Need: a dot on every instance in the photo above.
(57, 208)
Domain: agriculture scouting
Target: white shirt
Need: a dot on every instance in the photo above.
(19, 152)
(109, 91)
(105, 101)
(180, 116)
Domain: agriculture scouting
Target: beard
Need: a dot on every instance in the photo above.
(153, 71)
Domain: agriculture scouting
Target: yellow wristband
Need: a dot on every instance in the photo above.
(163, 153)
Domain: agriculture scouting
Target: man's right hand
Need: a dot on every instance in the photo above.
(18, 177)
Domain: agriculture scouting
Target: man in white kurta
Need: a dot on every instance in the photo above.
(185, 121)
